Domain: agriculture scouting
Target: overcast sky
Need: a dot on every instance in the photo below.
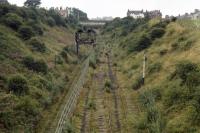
(118, 8)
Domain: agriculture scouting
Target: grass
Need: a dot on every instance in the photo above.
(47, 90)
(161, 63)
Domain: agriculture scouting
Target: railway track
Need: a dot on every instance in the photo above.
(112, 109)
(100, 117)
(115, 96)
(85, 115)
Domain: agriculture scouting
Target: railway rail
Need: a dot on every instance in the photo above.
(115, 97)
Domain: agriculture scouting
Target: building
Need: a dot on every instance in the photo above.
(3, 2)
(141, 14)
(193, 16)
(136, 14)
(63, 12)
(154, 14)
(196, 14)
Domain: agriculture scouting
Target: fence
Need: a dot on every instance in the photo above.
(71, 99)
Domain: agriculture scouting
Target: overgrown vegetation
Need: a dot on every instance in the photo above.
(35, 65)
(169, 99)
(37, 45)
(31, 80)
(18, 84)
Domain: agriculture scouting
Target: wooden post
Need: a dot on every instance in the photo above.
(144, 68)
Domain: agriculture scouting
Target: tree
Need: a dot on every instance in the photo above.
(32, 3)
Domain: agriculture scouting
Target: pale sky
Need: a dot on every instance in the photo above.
(118, 8)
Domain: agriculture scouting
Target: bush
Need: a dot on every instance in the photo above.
(107, 84)
(13, 20)
(175, 94)
(68, 128)
(157, 33)
(58, 19)
(92, 64)
(140, 43)
(163, 52)
(58, 60)
(51, 22)
(18, 84)
(154, 120)
(64, 55)
(26, 32)
(91, 105)
(188, 72)
(30, 108)
(38, 29)
(37, 66)
(156, 67)
(37, 45)
(137, 83)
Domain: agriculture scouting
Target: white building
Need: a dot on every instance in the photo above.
(195, 15)
(136, 14)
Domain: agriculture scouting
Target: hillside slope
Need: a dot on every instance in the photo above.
(37, 66)
(170, 99)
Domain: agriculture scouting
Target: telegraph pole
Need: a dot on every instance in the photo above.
(144, 67)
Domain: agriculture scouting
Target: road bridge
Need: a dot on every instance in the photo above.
(93, 23)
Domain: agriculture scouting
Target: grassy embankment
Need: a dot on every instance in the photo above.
(32, 83)
(170, 99)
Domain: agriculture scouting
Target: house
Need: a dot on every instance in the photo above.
(154, 14)
(193, 16)
(3, 2)
(141, 14)
(136, 14)
(63, 12)
(196, 14)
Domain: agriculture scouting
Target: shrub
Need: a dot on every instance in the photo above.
(175, 94)
(13, 20)
(38, 29)
(58, 19)
(91, 105)
(157, 33)
(3, 81)
(68, 128)
(65, 56)
(140, 43)
(157, 93)
(194, 112)
(30, 108)
(188, 72)
(156, 67)
(58, 60)
(37, 45)
(26, 32)
(174, 19)
(18, 84)
(182, 43)
(107, 84)
(163, 52)
(161, 24)
(92, 64)
(37, 66)
(137, 83)
(155, 122)
(51, 22)
(146, 98)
